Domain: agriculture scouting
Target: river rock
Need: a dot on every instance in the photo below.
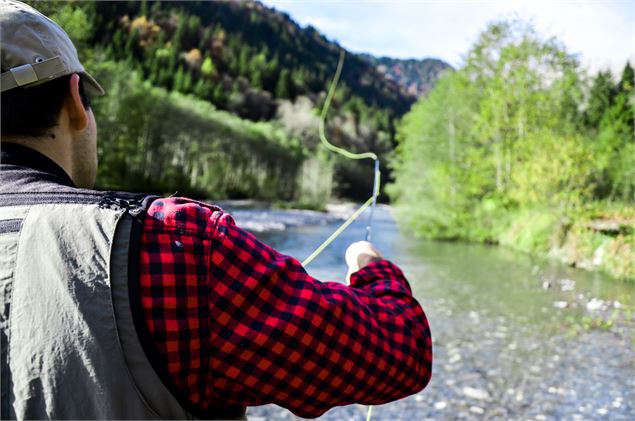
(477, 410)
(440, 405)
(567, 285)
(602, 411)
(595, 304)
(473, 393)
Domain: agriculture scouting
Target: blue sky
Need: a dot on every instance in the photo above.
(602, 32)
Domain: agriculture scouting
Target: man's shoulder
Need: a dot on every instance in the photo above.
(183, 216)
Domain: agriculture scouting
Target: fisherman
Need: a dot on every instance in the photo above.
(118, 305)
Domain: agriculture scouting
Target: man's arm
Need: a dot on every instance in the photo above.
(277, 335)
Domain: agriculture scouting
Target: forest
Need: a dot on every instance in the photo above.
(521, 147)
(239, 63)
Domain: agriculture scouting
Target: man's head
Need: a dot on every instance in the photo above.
(44, 92)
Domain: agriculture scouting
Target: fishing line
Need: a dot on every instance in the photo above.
(371, 201)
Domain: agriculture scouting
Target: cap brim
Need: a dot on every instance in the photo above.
(92, 86)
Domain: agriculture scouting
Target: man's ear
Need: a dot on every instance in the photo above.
(76, 112)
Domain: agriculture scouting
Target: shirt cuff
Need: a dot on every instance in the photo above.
(378, 270)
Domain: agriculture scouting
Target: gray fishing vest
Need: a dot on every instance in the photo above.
(71, 320)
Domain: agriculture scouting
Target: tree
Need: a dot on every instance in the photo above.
(219, 95)
(132, 45)
(243, 61)
(193, 29)
(601, 98)
(178, 80)
(468, 152)
(187, 82)
(206, 40)
(615, 142)
(626, 90)
(257, 67)
(144, 8)
(283, 88)
(118, 44)
(75, 22)
(203, 89)
(627, 82)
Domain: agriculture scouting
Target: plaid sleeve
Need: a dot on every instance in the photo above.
(274, 334)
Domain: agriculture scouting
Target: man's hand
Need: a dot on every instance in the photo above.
(358, 255)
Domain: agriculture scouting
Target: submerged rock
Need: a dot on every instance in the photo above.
(473, 393)
(440, 405)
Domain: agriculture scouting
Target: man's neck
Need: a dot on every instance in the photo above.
(53, 146)
(17, 155)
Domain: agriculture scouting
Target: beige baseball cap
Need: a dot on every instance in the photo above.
(35, 49)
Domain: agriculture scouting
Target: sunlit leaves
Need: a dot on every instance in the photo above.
(505, 132)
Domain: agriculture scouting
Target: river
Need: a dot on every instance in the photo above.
(515, 337)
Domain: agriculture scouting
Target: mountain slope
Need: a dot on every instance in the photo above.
(252, 61)
(415, 77)
(251, 50)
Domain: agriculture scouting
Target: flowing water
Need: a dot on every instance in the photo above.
(515, 337)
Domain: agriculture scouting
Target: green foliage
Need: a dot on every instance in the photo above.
(283, 86)
(75, 22)
(600, 99)
(247, 41)
(533, 230)
(249, 58)
(557, 171)
(74, 17)
(207, 68)
(154, 140)
(614, 142)
(505, 149)
(253, 57)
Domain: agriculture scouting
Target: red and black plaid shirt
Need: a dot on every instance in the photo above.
(236, 322)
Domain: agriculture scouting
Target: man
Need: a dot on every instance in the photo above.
(117, 305)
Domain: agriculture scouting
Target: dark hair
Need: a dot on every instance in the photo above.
(32, 111)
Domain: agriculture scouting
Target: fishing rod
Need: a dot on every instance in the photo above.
(370, 202)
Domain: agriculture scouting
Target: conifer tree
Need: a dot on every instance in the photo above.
(600, 98)
(144, 8)
(243, 61)
(219, 96)
(282, 86)
(132, 45)
(627, 82)
(187, 82)
(178, 80)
